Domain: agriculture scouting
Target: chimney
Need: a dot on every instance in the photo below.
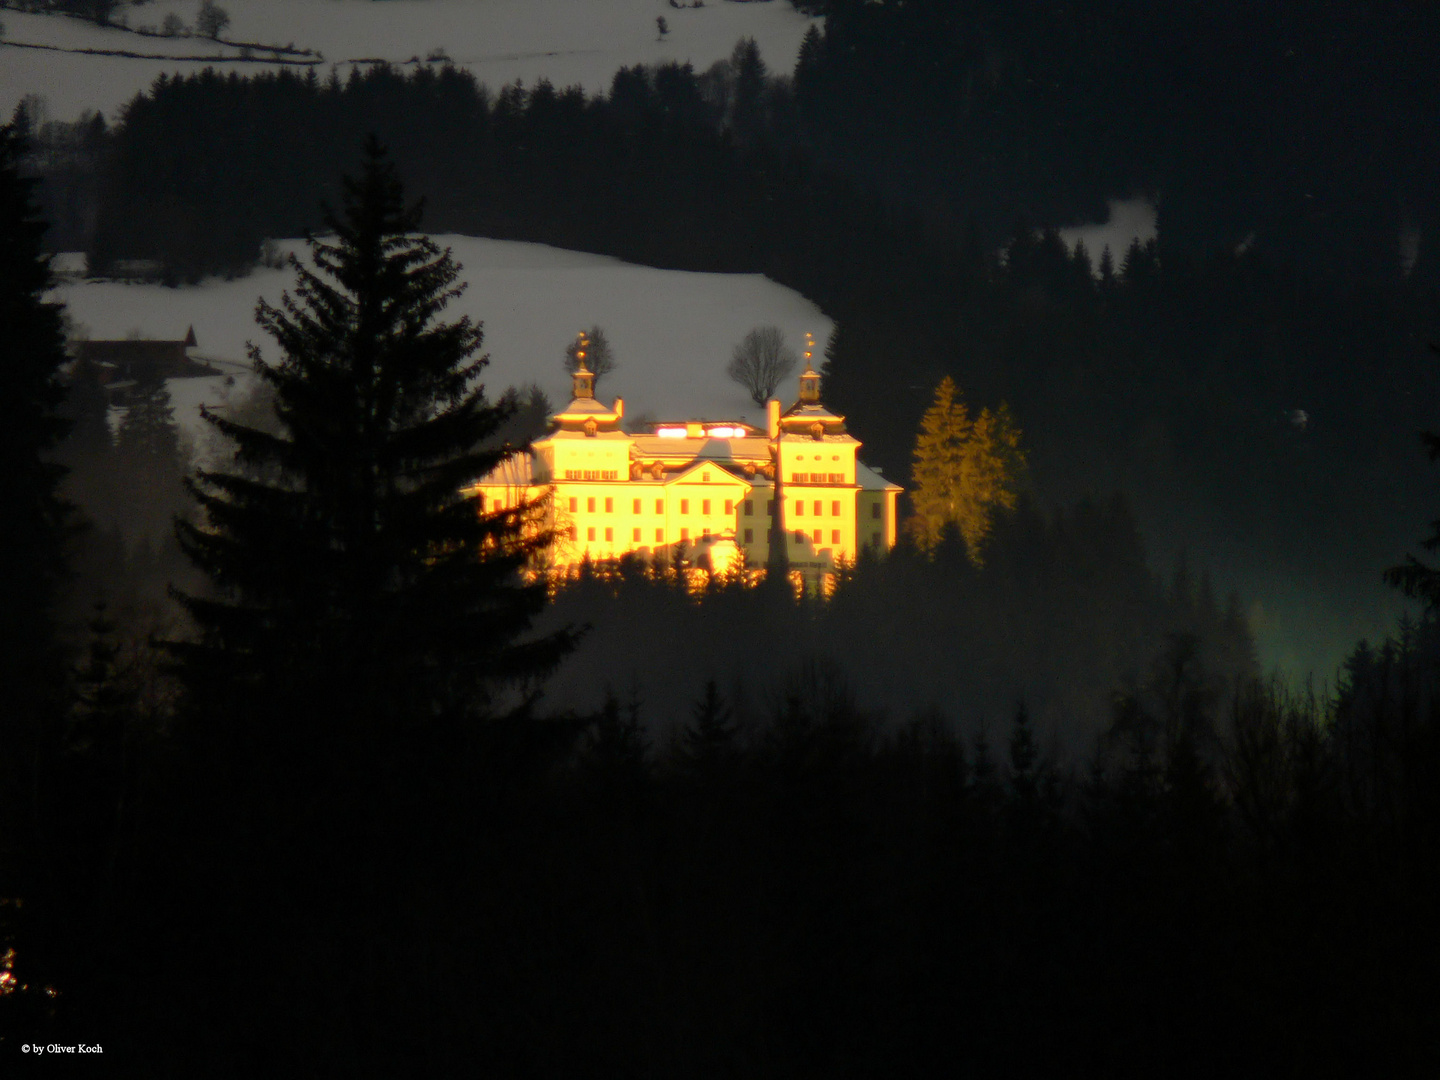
(619, 408)
(772, 418)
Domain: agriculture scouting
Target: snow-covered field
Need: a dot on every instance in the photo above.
(671, 332)
(566, 41)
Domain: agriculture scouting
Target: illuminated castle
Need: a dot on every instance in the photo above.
(701, 493)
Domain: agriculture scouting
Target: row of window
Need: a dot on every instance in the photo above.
(637, 506)
(816, 536)
(818, 507)
(635, 534)
(817, 478)
(592, 474)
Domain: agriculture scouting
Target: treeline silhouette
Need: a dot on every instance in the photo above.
(788, 889)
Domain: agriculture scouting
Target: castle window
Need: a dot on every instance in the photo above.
(590, 534)
(835, 508)
(574, 533)
(705, 478)
(749, 507)
(684, 506)
(609, 534)
(609, 506)
(659, 506)
(659, 536)
(834, 536)
(590, 505)
(705, 506)
(574, 505)
(684, 534)
(875, 539)
(769, 506)
(799, 507)
(705, 535)
(797, 478)
(637, 510)
(819, 508)
(729, 506)
(749, 536)
(817, 537)
(636, 536)
(875, 510)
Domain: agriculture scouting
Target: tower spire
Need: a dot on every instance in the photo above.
(809, 378)
(584, 378)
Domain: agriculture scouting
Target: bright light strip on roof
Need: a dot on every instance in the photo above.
(670, 432)
(726, 432)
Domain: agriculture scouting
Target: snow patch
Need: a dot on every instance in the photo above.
(672, 331)
(569, 42)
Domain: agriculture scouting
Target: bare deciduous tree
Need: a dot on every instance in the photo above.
(599, 356)
(761, 361)
(211, 20)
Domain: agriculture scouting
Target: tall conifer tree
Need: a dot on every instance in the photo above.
(964, 470)
(939, 464)
(351, 574)
(33, 517)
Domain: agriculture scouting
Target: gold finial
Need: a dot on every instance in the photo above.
(584, 379)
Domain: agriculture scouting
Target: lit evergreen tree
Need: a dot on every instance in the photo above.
(352, 576)
(964, 470)
(939, 464)
(993, 462)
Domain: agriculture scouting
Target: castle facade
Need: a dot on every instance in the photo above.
(698, 492)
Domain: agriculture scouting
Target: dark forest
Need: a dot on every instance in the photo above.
(282, 787)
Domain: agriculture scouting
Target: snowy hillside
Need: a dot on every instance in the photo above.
(672, 332)
(566, 41)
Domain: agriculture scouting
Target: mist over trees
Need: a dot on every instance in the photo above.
(1064, 613)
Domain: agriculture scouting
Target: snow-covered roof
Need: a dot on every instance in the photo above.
(870, 480)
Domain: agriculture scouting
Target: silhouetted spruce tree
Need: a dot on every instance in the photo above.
(33, 530)
(747, 116)
(33, 517)
(151, 465)
(709, 741)
(352, 579)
